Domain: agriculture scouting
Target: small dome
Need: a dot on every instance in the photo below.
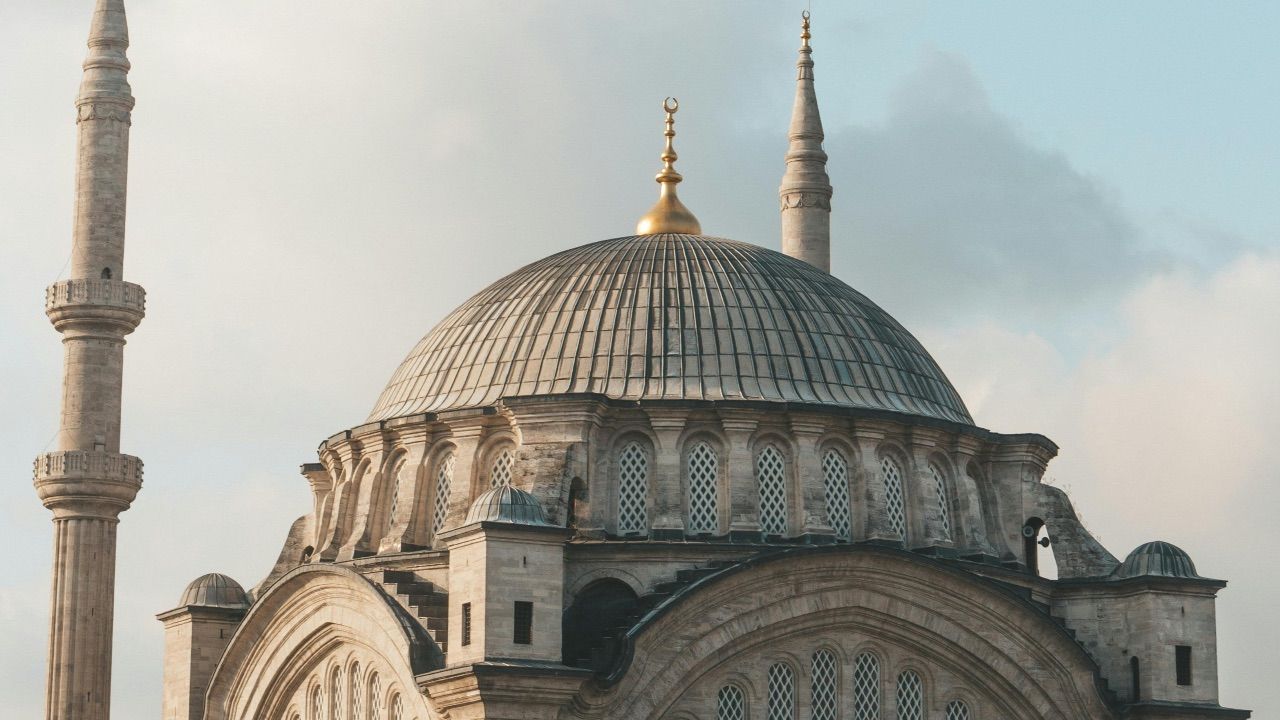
(506, 504)
(1157, 558)
(215, 590)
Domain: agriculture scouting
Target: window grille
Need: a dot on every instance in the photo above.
(944, 507)
(523, 623)
(703, 469)
(357, 693)
(824, 686)
(633, 489)
(317, 703)
(395, 493)
(866, 687)
(501, 473)
(466, 623)
(782, 692)
(375, 697)
(731, 704)
(771, 476)
(893, 496)
(444, 476)
(835, 475)
(397, 707)
(910, 697)
(957, 710)
(335, 694)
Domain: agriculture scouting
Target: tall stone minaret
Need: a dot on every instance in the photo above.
(87, 482)
(806, 190)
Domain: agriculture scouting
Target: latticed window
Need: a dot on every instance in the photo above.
(335, 694)
(357, 693)
(317, 703)
(500, 474)
(395, 493)
(782, 692)
(440, 509)
(825, 705)
(958, 710)
(375, 697)
(866, 687)
(731, 704)
(894, 504)
(633, 489)
(835, 477)
(703, 472)
(944, 507)
(397, 708)
(910, 697)
(771, 476)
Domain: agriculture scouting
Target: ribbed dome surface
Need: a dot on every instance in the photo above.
(671, 317)
(214, 590)
(506, 504)
(1157, 558)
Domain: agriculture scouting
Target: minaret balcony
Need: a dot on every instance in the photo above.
(92, 482)
(115, 302)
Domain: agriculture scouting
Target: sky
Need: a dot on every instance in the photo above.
(1072, 205)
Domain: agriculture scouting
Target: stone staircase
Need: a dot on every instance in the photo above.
(605, 649)
(423, 600)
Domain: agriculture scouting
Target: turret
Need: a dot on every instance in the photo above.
(806, 191)
(87, 482)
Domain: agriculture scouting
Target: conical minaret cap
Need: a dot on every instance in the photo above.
(669, 215)
(805, 191)
(106, 66)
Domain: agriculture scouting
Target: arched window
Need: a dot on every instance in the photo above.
(633, 489)
(440, 509)
(866, 687)
(782, 692)
(375, 697)
(731, 704)
(703, 475)
(894, 504)
(357, 692)
(771, 479)
(910, 697)
(957, 710)
(825, 705)
(395, 492)
(397, 708)
(1135, 679)
(335, 694)
(944, 507)
(500, 473)
(316, 711)
(835, 478)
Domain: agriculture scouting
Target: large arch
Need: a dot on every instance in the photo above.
(311, 618)
(989, 642)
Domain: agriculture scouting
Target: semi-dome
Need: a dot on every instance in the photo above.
(671, 316)
(215, 590)
(505, 504)
(1157, 558)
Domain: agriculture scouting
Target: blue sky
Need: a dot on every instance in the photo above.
(1072, 205)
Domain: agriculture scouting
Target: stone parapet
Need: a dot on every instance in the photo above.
(93, 482)
(114, 301)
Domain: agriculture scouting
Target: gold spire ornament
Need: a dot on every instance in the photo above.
(669, 215)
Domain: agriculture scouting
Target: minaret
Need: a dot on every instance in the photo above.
(806, 190)
(87, 482)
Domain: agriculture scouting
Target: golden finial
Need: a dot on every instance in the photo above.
(669, 215)
(804, 32)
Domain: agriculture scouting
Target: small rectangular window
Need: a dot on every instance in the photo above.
(1182, 654)
(466, 623)
(524, 623)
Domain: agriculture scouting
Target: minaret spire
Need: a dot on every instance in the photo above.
(806, 190)
(669, 215)
(87, 482)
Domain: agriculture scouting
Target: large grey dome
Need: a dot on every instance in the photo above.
(671, 317)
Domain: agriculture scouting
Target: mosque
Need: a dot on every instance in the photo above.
(665, 475)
